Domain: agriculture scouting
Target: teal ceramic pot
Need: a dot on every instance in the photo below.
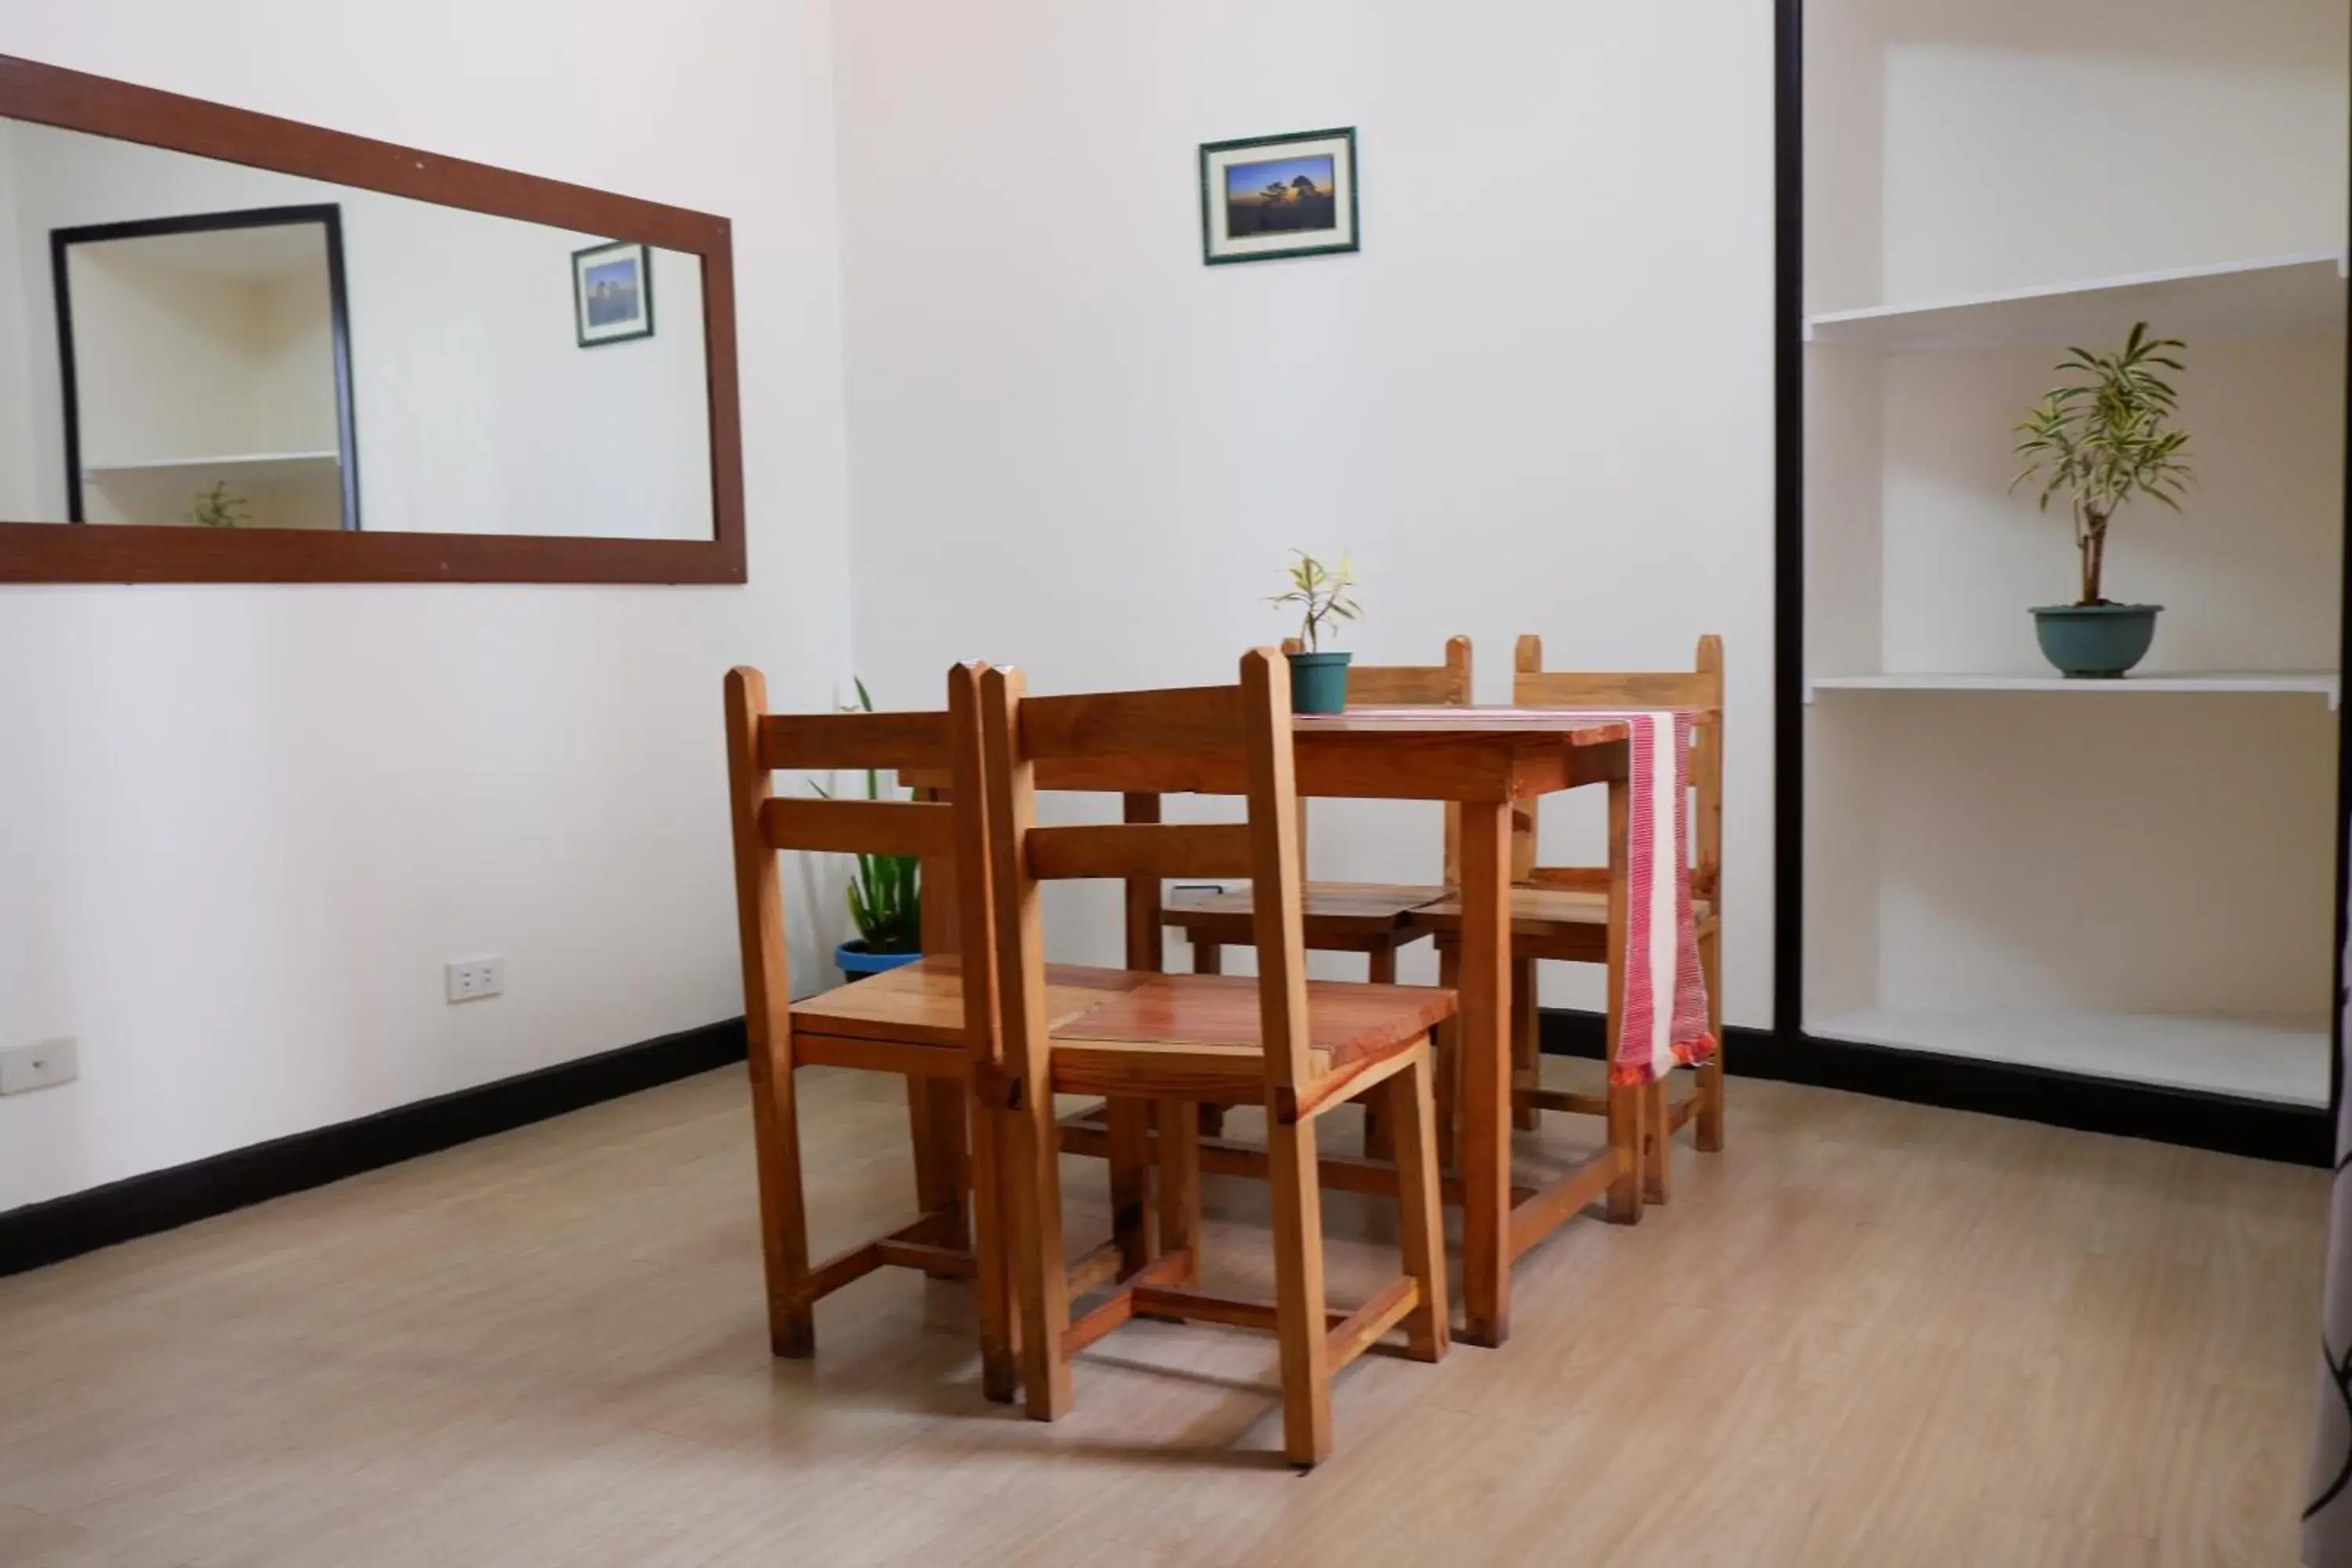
(2094, 642)
(1318, 682)
(857, 964)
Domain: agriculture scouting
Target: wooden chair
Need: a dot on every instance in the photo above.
(1368, 918)
(1562, 912)
(1296, 1047)
(932, 1023)
(1346, 917)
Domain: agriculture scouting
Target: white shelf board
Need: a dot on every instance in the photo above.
(2235, 298)
(233, 460)
(2324, 683)
(2281, 1060)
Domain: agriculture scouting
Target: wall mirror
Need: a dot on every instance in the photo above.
(235, 349)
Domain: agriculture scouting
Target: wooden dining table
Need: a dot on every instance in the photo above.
(1490, 763)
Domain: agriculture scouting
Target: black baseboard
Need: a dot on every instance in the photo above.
(2265, 1130)
(160, 1200)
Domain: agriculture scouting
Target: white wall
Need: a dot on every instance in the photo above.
(2027, 144)
(1538, 400)
(242, 828)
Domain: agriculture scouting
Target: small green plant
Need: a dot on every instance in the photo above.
(219, 507)
(886, 896)
(2101, 440)
(1320, 594)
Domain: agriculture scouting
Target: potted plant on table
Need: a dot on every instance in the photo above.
(2102, 440)
(886, 896)
(1318, 676)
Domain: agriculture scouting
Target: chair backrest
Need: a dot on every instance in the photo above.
(1445, 685)
(1251, 719)
(1701, 686)
(956, 910)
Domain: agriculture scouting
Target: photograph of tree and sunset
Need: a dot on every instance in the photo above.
(1280, 195)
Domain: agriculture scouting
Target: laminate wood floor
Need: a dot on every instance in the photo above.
(1871, 1334)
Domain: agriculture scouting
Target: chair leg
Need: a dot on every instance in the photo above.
(1657, 1144)
(1527, 1074)
(1180, 1184)
(1625, 1127)
(935, 1188)
(1421, 1232)
(1130, 1180)
(783, 1214)
(951, 1138)
(1300, 1316)
(1034, 1191)
(1707, 1127)
(999, 1368)
(1380, 1137)
(1444, 1046)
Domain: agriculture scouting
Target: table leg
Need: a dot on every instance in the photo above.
(1380, 1137)
(1484, 1035)
(1627, 1102)
(937, 1109)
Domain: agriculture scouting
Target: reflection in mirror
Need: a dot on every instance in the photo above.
(202, 368)
(197, 344)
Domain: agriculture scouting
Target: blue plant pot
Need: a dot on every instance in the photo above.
(2094, 642)
(857, 964)
(1318, 682)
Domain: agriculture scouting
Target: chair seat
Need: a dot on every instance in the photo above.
(1545, 913)
(922, 1003)
(1197, 1036)
(1332, 910)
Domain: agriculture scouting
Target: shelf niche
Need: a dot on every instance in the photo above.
(2135, 888)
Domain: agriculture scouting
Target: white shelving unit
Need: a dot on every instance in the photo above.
(2134, 890)
(2324, 683)
(2283, 294)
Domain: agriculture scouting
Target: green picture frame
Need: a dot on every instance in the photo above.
(1267, 198)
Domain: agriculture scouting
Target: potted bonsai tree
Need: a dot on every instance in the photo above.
(2101, 441)
(886, 896)
(1318, 676)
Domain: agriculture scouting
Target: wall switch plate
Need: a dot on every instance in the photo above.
(471, 979)
(43, 1066)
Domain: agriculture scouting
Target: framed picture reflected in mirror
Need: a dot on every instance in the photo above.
(612, 293)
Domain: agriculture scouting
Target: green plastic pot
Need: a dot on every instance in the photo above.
(2094, 642)
(1318, 682)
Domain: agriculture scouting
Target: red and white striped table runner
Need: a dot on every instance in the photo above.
(1665, 1021)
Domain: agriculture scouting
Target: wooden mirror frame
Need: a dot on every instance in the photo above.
(120, 553)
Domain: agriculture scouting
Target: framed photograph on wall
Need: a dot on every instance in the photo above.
(1266, 197)
(612, 293)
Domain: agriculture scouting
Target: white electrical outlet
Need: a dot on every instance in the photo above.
(43, 1066)
(471, 979)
